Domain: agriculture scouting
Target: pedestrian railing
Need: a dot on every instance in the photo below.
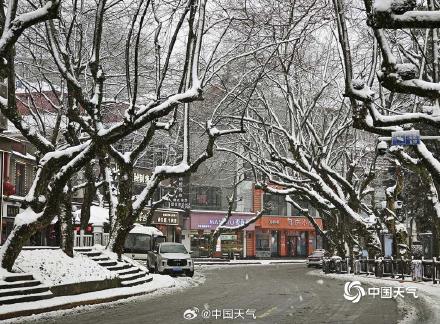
(418, 270)
(83, 240)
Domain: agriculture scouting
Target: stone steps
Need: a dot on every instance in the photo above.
(130, 274)
(22, 287)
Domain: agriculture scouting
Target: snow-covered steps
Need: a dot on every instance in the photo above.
(107, 263)
(119, 266)
(25, 298)
(22, 287)
(130, 273)
(17, 284)
(135, 282)
(18, 277)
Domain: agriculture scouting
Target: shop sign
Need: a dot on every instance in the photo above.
(140, 177)
(228, 237)
(230, 222)
(294, 223)
(160, 217)
(299, 222)
(210, 221)
(181, 196)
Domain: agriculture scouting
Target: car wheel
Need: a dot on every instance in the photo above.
(189, 273)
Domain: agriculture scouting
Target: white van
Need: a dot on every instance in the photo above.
(140, 240)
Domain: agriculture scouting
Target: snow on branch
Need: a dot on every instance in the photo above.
(15, 26)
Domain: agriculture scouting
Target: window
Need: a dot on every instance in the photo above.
(20, 179)
(206, 198)
(297, 212)
(277, 203)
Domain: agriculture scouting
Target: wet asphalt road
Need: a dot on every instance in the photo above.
(278, 293)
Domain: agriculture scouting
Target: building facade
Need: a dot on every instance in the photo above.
(283, 231)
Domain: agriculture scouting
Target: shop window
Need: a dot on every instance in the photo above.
(277, 203)
(262, 242)
(200, 244)
(231, 243)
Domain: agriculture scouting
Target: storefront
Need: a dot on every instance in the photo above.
(232, 242)
(284, 237)
(168, 221)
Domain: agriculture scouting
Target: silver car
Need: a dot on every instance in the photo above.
(316, 258)
(171, 258)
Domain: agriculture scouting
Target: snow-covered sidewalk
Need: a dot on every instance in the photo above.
(427, 292)
(159, 282)
(250, 262)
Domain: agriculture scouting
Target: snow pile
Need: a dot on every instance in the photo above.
(54, 267)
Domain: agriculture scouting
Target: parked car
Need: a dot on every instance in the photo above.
(315, 259)
(171, 258)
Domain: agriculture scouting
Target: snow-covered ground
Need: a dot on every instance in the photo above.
(427, 292)
(161, 284)
(54, 267)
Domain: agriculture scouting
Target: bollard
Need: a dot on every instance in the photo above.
(434, 267)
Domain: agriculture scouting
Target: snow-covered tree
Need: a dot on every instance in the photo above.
(408, 82)
(83, 71)
(298, 129)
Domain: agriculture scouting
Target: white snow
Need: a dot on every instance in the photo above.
(160, 285)
(26, 217)
(54, 267)
(149, 230)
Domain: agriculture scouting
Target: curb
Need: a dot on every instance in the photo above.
(28, 312)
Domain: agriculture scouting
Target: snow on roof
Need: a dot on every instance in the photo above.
(98, 215)
(149, 230)
(26, 156)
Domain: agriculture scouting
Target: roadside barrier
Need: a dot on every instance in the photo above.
(400, 268)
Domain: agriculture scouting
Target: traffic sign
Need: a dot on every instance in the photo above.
(403, 138)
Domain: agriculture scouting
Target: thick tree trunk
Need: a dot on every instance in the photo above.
(66, 224)
(124, 211)
(89, 195)
(400, 237)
